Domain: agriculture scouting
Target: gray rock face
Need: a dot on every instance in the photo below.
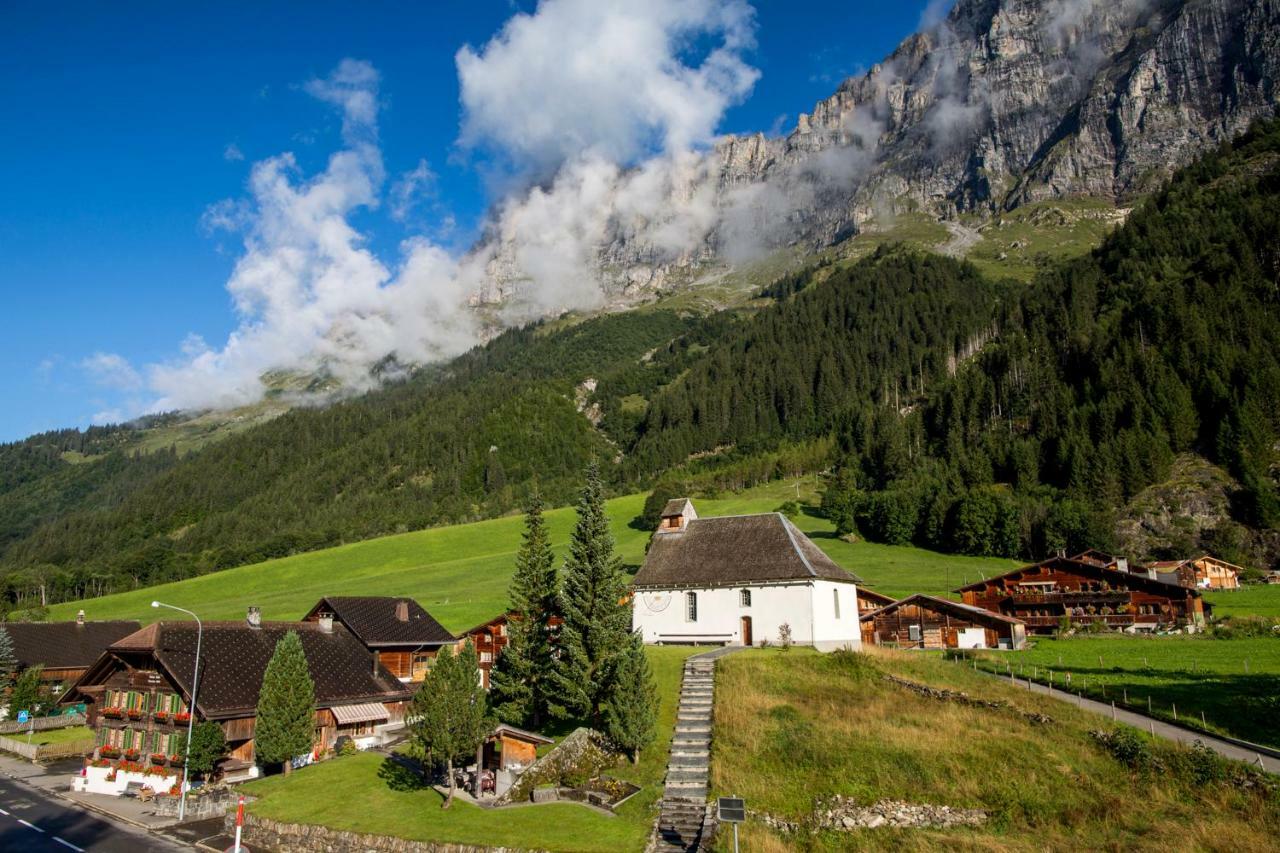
(1005, 102)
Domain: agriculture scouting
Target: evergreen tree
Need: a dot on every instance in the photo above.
(631, 715)
(521, 680)
(8, 660)
(597, 615)
(449, 713)
(286, 705)
(28, 694)
(208, 745)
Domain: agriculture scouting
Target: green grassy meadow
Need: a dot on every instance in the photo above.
(1198, 674)
(460, 573)
(795, 727)
(1253, 600)
(348, 793)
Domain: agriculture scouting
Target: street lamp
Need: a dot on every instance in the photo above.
(191, 716)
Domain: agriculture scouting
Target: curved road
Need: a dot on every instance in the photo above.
(36, 821)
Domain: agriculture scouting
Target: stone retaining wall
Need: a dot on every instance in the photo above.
(307, 838)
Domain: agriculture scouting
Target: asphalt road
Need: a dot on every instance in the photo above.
(31, 820)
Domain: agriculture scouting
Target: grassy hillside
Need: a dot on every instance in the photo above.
(796, 727)
(460, 573)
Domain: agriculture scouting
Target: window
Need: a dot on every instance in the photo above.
(913, 633)
(486, 657)
(835, 595)
(744, 598)
(691, 607)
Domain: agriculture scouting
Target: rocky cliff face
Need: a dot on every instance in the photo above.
(1004, 102)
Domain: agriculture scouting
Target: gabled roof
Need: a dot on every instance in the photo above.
(675, 506)
(880, 598)
(374, 621)
(957, 608)
(64, 645)
(1115, 577)
(1093, 555)
(520, 734)
(735, 549)
(233, 660)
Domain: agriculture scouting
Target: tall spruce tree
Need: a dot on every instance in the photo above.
(286, 705)
(8, 659)
(597, 616)
(631, 715)
(450, 715)
(522, 678)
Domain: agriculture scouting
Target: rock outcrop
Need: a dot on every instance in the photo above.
(1004, 102)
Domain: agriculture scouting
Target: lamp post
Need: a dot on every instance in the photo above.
(191, 715)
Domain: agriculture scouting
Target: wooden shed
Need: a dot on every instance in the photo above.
(925, 622)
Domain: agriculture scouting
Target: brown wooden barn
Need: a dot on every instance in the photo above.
(397, 631)
(64, 649)
(510, 748)
(489, 639)
(926, 622)
(1203, 572)
(869, 600)
(1044, 594)
(138, 692)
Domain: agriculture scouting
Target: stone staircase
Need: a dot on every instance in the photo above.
(683, 821)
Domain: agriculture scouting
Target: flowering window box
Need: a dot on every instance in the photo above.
(131, 754)
(134, 713)
(112, 713)
(158, 758)
(110, 752)
(182, 719)
(175, 760)
(162, 716)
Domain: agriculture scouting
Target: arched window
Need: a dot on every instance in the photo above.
(744, 598)
(691, 607)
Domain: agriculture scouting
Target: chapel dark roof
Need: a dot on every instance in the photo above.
(931, 602)
(234, 659)
(374, 621)
(64, 645)
(728, 550)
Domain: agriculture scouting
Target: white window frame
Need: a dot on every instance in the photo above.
(691, 607)
(744, 598)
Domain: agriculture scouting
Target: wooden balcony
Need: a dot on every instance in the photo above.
(1082, 597)
(1115, 619)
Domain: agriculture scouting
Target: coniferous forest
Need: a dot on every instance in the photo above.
(947, 409)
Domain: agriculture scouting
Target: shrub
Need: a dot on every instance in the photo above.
(784, 636)
(1128, 746)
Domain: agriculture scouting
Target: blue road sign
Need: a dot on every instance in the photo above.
(23, 716)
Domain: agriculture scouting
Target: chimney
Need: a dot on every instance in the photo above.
(254, 617)
(80, 618)
(326, 623)
(402, 611)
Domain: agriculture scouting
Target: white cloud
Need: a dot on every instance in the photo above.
(107, 416)
(112, 371)
(232, 153)
(410, 189)
(605, 79)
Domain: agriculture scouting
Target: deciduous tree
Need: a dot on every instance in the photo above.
(449, 714)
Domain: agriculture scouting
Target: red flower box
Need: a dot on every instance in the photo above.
(129, 766)
(182, 718)
(109, 752)
(157, 758)
(175, 760)
(131, 754)
(134, 713)
(162, 716)
(112, 713)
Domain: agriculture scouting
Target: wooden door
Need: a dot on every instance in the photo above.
(746, 631)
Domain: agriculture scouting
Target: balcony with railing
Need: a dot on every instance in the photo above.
(1105, 619)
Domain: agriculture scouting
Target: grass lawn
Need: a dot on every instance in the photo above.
(55, 736)
(795, 727)
(1252, 600)
(348, 793)
(1198, 674)
(460, 573)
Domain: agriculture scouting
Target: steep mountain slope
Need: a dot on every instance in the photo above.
(1003, 103)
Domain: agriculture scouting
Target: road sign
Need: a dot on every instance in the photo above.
(732, 810)
(23, 716)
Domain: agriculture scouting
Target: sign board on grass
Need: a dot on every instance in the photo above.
(732, 810)
(23, 716)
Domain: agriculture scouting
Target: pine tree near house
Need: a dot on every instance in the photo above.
(28, 694)
(597, 615)
(521, 681)
(286, 705)
(8, 659)
(449, 713)
(631, 714)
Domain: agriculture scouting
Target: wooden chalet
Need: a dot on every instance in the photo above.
(64, 649)
(489, 639)
(869, 600)
(1203, 572)
(512, 749)
(398, 632)
(1102, 559)
(138, 692)
(925, 622)
(1082, 592)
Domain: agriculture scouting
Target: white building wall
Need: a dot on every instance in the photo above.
(833, 632)
(808, 607)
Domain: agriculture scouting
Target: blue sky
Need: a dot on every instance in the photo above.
(126, 122)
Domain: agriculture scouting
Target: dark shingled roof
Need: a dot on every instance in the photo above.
(1116, 577)
(734, 549)
(957, 608)
(64, 645)
(234, 658)
(675, 506)
(373, 620)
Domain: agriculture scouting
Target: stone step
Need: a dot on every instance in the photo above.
(687, 774)
(687, 791)
(699, 762)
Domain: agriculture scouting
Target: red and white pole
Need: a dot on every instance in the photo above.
(239, 822)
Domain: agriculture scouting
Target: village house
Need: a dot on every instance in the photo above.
(1058, 590)
(1203, 572)
(737, 580)
(64, 649)
(138, 692)
(397, 631)
(870, 601)
(489, 639)
(925, 622)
